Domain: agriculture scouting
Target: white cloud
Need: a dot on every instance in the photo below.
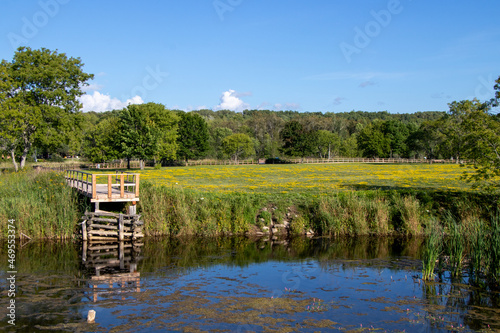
(230, 101)
(100, 102)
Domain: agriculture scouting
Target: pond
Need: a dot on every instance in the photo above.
(240, 285)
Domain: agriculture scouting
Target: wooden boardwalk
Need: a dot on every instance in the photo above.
(120, 187)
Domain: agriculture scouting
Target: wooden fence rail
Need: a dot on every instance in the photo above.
(319, 160)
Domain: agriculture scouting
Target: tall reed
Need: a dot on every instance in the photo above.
(479, 250)
(40, 203)
(432, 249)
(409, 213)
(455, 244)
(494, 250)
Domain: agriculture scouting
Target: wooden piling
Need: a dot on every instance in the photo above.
(84, 230)
(120, 227)
(110, 226)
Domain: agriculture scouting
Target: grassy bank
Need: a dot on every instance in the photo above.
(173, 210)
(40, 203)
(43, 207)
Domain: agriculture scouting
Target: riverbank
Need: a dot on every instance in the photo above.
(176, 211)
(44, 207)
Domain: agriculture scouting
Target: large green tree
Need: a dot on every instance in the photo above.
(297, 141)
(39, 91)
(166, 122)
(427, 140)
(138, 134)
(217, 135)
(193, 138)
(455, 133)
(481, 144)
(372, 141)
(327, 143)
(482, 149)
(101, 142)
(238, 146)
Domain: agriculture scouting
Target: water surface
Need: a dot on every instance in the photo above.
(240, 285)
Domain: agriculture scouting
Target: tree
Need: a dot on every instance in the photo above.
(166, 122)
(482, 149)
(238, 146)
(426, 140)
(217, 135)
(396, 133)
(101, 142)
(452, 123)
(138, 134)
(327, 141)
(38, 91)
(372, 142)
(296, 140)
(193, 137)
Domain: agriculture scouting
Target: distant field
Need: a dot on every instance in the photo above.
(310, 178)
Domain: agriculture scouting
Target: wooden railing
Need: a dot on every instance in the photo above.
(105, 187)
(319, 160)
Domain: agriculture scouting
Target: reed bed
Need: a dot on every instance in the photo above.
(40, 203)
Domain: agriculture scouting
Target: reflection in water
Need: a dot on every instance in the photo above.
(113, 265)
(238, 284)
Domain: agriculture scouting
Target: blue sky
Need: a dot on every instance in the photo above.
(402, 56)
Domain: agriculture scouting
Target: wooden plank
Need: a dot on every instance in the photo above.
(108, 233)
(108, 247)
(119, 276)
(102, 226)
(112, 219)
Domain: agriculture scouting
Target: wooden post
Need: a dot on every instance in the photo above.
(122, 186)
(132, 209)
(109, 186)
(121, 254)
(94, 186)
(84, 232)
(84, 250)
(120, 227)
(137, 185)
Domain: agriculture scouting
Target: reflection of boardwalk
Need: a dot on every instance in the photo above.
(112, 268)
(118, 187)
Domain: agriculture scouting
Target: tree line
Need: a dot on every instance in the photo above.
(40, 116)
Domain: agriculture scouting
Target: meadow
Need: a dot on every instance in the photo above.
(310, 178)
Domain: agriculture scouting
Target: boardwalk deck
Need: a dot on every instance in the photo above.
(120, 187)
